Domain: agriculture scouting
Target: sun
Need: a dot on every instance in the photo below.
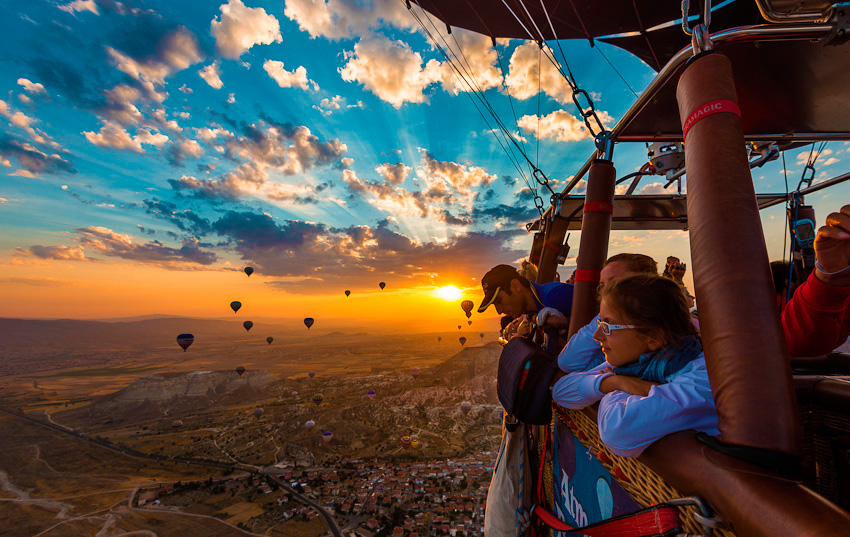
(449, 293)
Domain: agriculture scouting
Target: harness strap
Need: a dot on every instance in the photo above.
(658, 520)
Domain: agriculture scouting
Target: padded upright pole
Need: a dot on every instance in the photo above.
(593, 248)
(745, 350)
(556, 230)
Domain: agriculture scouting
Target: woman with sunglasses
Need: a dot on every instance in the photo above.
(654, 380)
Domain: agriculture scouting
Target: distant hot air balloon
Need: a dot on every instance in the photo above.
(371, 394)
(462, 340)
(240, 370)
(469, 323)
(414, 443)
(459, 327)
(311, 374)
(249, 270)
(184, 340)
(269, 340)
(467, 306)
(310, 424)
(382, 285)
(465, 407)
(439, 339)
(258, 412)
(308, 322)
(248, 325)
(317, 399)
(327, 436)
(347, 292)
(414, 372)
(235, 305)
(294, 394)
(405, 442)
(482, 335)
(176, 424)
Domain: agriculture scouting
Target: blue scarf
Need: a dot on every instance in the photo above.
(657, 366)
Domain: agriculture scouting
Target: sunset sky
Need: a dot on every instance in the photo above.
(151, 150)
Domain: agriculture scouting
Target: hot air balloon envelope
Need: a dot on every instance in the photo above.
(414, 372)
(258, 412)
(308, 322)
(462, 340)
(240, 370)
(465, 407)
(347, 292)
(311, 374)
(482, 335)
(439, 338)
(269, 340)
(235, 305)
(294, 394)
(382, 285)
(371, 394)
(248, 325)
(249, 270)
(184, 340)
(467, 306)
(309, 425)
(414, 444)
(327, 436)
(469, 323)
(459, 327)
(318, 398)
(177, 423)
(405, 442)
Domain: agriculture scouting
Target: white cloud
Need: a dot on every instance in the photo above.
(212, 75)
(185, 89)
(560, 126)
(113, 136)
(390, 70)
(241, 27)
(289, 79)
(829, 161)
(31, 87)
(146, 136)
(336, 19)
(477, 56)
(654, 188)
(524, 82)
(24, 173)
(231, 98)
(211, 134)
(80, 5)
(395, 174)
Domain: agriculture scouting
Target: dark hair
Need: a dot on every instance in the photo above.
(780, 271)
(655, 304)
(637, 263)
(505, 321)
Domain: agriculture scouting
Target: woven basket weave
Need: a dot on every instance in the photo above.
(645, 486)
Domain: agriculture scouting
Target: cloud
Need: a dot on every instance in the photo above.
(113, 136)
(462, 178)
(57, 253)
(107, 242)
(80, 5)
(395, 174)
(528, 74)
(185, 220)
(41, 282)
(476, 56)
(336, 19)
(185, 89)
(31, 87)
(654, 188)
(289, 79)
(33, 160)
(390, 70)
(286, 148)
(559, 126)
(241, 27)
(212, 75)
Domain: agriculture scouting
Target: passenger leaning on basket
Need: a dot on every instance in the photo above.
(583, 352)
(654, 381)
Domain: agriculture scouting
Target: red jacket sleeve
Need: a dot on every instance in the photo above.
(816, 320)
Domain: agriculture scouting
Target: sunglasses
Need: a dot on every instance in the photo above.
(608, 328)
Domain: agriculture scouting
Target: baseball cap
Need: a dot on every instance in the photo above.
(497, 278)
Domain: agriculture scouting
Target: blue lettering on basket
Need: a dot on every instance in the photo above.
(573, 505)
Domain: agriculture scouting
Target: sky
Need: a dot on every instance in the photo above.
(149, 151)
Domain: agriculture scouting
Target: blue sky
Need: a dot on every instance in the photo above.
(324, 143)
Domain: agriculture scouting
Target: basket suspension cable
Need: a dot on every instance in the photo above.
(507, 91)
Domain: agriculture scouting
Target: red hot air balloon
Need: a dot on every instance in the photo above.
(371, 394)
(309, 425)
(269, 340)
(382, 285)
(317, 399)
(467, 306)
(235, 305)
(248, 325)
(308, 322)
(465, 407)
(249, 270)
(184, 340)
(347, 292)
(414, 372)
(240, 370)
(327, 436)
(462, 340)
(258, 412)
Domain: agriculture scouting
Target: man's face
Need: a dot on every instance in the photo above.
(510, 303)
(614, 271)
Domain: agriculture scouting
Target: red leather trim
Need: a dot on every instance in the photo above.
(710, 108)
(587, 275)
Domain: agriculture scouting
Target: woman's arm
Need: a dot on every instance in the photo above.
(582, 353)
(581, 389)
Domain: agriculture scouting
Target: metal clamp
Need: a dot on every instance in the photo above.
(703, 514)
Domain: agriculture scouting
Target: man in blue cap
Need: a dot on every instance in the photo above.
(511, 294)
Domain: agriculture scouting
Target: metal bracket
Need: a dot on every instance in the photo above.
(840, 21)
(703, 514)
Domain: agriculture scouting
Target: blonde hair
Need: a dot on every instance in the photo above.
(528, 271)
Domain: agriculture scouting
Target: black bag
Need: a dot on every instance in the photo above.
(524, 382)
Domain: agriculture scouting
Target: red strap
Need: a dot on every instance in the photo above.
(656, 520)
(713, 107)
(587, 275)
(551, 246)
(541, 497)
(598, 207)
